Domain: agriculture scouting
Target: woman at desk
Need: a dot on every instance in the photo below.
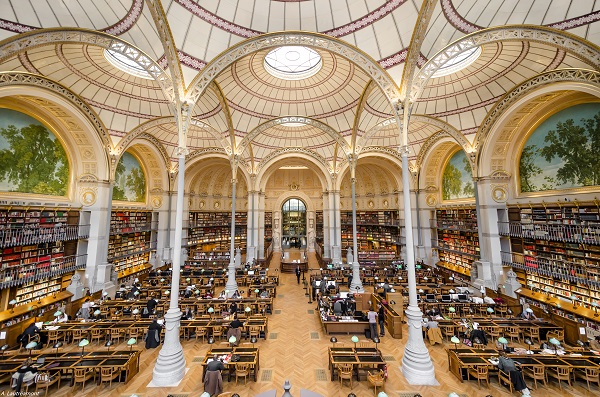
(528, 314)
(507, 365)
(153, 335)
(24, 376)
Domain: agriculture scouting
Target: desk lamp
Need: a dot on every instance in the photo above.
(256, 291)
(211, 340)
(12, 302)
(197, 292)
(490, 310)
(57, 313)
(333, 341)
(232, 340)
(528, 342)
(456, 341)
(451, 279)
(453, 394)
(162, 280)
(211, 311)
(57, 346)
(135, 312)
(376, 340)
(167, 292)
(451, 309)
(503, 341)
(188, 279)
(131, 342)
(355, 340)
(83, 344)
(4, 348)
(30, 346)
(108, 344)
(555, 342)
(580, 343)
(253, 340)
(205, 394)
(382, 394)
(97, 312)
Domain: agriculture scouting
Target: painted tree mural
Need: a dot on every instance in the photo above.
(32, 160)
(564, 151)
(457, 180)
(130, 181)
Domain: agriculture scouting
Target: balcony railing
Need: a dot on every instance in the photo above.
(568, 233)
(470, 226)
(37, 235)
(17, 275)
(151, 246)
(146, 227)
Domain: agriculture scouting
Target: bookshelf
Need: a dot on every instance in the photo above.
(268, 228)
(378, 234)
(319, 227)
(556, 250)
(211, 231)
(38, 246)
(132, 240)
(457, 240)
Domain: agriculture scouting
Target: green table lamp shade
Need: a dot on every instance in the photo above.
(385, 269)
(136, 293)
(167, 292)
(333, 339)
(97, 313)
(13, 302)
(232, 339)
(451, 309)
(490, 310)
(197, 292)
(382, 394)
(105, 293)
(421, 291)
(454, 339)
(425, 278)
(211, 310)
(595, 304)
(247, 309)
(188, 279)
(502, 340)
(256, 291)
(84, 342)
(554, 341)
(453, 395)
(355, 339)
(205, 394)
(162, 280)
(136, 311)
(58, 313)
(31, 345)
(132, 341)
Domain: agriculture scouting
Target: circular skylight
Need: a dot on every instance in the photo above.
(293, 62)
(459, 62)
(125, 64)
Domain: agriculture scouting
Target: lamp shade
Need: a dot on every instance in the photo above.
(97, 312)
(57, 345)
(108, 343)
(247, 309)
(554, 341)
(385, 269)
(58, 313)
(105, 293)
(167, 292)
(355, 339)
(333, 339)
(136, 311)
(4, 347)
(451, 278)
(256, 291)
(529, 310)
(205, 394)
(490, 310)
(136, 293)
(421, 291)
(454, 339)
(132, 341)
(197, 292)
(162, 280)
(211, 309)
(232, 339)
(376, 340)
(502, 340)
(425, 278)
(451, 309)
(84, 342)
(31, 345)
(253, 339)
(211, 340)
(188, 279)
(453, 394)
(13, 302)
(382, 394)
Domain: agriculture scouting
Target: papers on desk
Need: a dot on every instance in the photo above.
(52, 327)
(575, 354)
(492, 361)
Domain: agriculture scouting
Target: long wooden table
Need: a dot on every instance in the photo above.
(247, 355)
(503, 323)
(358, 357)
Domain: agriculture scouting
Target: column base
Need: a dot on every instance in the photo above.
(170, 364)
(356, 284)
(417, 367)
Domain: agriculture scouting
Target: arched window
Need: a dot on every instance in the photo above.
(293, 214)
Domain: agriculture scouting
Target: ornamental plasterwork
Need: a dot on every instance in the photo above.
(19, 78)
(88, 195)
(278, 39)
(41, 37)
(385, 124)
(88, 178)
(499, 192)
(333, 134)
(572, 44)
(442, 125)
(216, 134)
(286, 150)
(551, 77)
(383, 149)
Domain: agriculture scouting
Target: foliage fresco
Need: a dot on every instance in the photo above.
(564, 151)
(457, 181)
(32, 159)
(130, 182)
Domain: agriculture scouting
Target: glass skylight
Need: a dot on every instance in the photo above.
(293, 62)
(459, 62)
(125, 64)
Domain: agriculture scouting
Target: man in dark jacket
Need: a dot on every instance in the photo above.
(29, 334)
(153, 335)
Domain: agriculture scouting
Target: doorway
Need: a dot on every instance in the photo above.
(293, 224)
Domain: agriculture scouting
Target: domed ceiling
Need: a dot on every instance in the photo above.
(247, 109)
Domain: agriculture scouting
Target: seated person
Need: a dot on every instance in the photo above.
(236, 295)
(507, 365)
(213, 382)
(188, 292)
(528, 314)
(434, 312)
(264, 294)
(595, 343)
(233, 308)
(434, 334)
(31, 333)
(64, 317)
(187, 314)
(24, 376)
(236, 323)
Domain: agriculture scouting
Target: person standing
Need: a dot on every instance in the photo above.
(298, 273)
(372, 317)
(381, 318)
(213, 382)
(153, 335)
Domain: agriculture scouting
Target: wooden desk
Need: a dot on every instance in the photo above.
(344, 327)
(357, 357)
(247, 355)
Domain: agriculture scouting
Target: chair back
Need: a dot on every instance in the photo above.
(592, 374)
(538, 371)
(376, 378)
(563, 372)
(482, 371)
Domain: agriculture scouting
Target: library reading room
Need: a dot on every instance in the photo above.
(309, 198)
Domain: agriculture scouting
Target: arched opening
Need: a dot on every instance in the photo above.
(293, 224)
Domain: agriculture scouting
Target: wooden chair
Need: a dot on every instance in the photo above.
(77, 335)
(53, 337)
(376, 379)
(513, 332)
(557, 334)
(448, 332)
(116, 334)
(532, 333)
(535, 372)
(217, 332)
(80, 375)
(254, 331)
(494, 332)
(479, 372)
(345, 372)
(505, 377)
(96, 334)
(200, 332)
(108, 374)
(561, 373)
(45, 380)
(242, 371)
(590, 375)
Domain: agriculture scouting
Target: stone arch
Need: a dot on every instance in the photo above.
(154, 159)
(270, 164)
(389, 155)
(435, 161)
(201, 156)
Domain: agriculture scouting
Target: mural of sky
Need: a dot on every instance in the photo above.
(564, 151)
(130, 182)
(32, 159)
(457, 181)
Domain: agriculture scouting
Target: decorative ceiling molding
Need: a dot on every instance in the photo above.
(163, 153)
(292, 150)
(534, 83)
(12, 46)
(445, 130)
(277, 39)
(385, 124)
(572, 44)
(364, 96)
(22, 78)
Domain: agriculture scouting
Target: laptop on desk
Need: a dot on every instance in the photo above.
(463, 298)
(430, 298)
(446, 298)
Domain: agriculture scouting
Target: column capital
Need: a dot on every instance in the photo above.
(404, 150)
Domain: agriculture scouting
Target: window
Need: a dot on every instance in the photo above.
(293, 62)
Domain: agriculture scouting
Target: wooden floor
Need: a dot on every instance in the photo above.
(296, 349)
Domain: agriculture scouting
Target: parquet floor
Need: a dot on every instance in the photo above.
(296, 349)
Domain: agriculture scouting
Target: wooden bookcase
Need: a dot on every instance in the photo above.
(38, 248)
(557, 248)
(378, 234)
(268, 228)
(457, 240)
(132, 239)
(319, 226)
(211, 231)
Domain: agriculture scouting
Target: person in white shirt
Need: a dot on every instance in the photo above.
(85, 309)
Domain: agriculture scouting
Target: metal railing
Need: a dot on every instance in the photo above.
(146, 227)
(139, 249)
(454, 225)
(568, 233)
(11, 237)
(17, 275)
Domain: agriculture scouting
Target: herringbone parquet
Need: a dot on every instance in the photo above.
(296, 354)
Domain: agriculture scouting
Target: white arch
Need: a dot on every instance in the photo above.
(268, 168)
